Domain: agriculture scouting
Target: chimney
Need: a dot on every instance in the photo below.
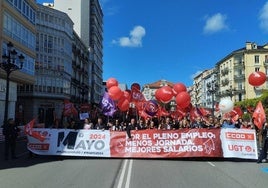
(248, 46)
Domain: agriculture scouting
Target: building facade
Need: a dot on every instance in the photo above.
(17, 25)
(53, 67)
(230, 75)
(81, 68)
(149, 89)
(88, 19)
(235, 68)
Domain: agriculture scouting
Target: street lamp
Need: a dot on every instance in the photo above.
(9, 65)
(212, 89)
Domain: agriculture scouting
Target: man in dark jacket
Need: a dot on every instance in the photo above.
(131, 126)
(11, 133)
(100, 125)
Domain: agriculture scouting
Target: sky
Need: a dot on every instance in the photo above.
(175, 40)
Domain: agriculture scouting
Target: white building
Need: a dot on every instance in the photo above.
(87, 16)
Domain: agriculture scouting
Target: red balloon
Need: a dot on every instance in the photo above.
(257, 78)
(115, 92)
(157, 94)
(164, 94)
(179, 87)
(189, 107)
(183, 99)
(126, 95)
(111, 82)
(135, 86)
(123, 105)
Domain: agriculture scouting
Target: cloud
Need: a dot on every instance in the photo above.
(134, 39)
(215, 23)
(264, 17)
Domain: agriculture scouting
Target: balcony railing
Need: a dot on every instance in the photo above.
(225, 82)
(265, 63)
(239, 64)
(224, 71)
(239, 77)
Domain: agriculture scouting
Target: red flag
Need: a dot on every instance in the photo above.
(181, 113)
(205, 112)
(69, 109)
(28, 130)
(250, 109)
(235, 114)
(194, 113)
(137, 98)
(162, 112)
(259, 116)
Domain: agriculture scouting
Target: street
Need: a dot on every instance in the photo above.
(63, 172)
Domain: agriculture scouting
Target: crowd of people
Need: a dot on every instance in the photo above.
(164, 123)
(169, 123)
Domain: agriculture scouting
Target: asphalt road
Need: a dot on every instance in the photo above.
(67, 172)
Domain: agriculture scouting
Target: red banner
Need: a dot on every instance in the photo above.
(240, 143)
(167, 144)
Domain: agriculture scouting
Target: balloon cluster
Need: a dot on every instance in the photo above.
(179, 91)
(115, 93)
(163, 95)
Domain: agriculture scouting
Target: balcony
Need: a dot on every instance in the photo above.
(239, 77)
(258, 88)
(224, 71)
(265, 63)
(225, 82)
(239, 64)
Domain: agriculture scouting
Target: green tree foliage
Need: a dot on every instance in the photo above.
(253, 103)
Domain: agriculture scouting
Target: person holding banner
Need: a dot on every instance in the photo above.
(168, 125)
(227, 123)
(142, 125)
(264, 149)
(197, 123)
(131, 126)
(100, 125)
(152, 125)
(87, 124)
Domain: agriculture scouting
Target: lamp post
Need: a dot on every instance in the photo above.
(9, 65)
(212, 89)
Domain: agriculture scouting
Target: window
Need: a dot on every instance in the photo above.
(239, 97)
(257, 59)
(257, 69)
